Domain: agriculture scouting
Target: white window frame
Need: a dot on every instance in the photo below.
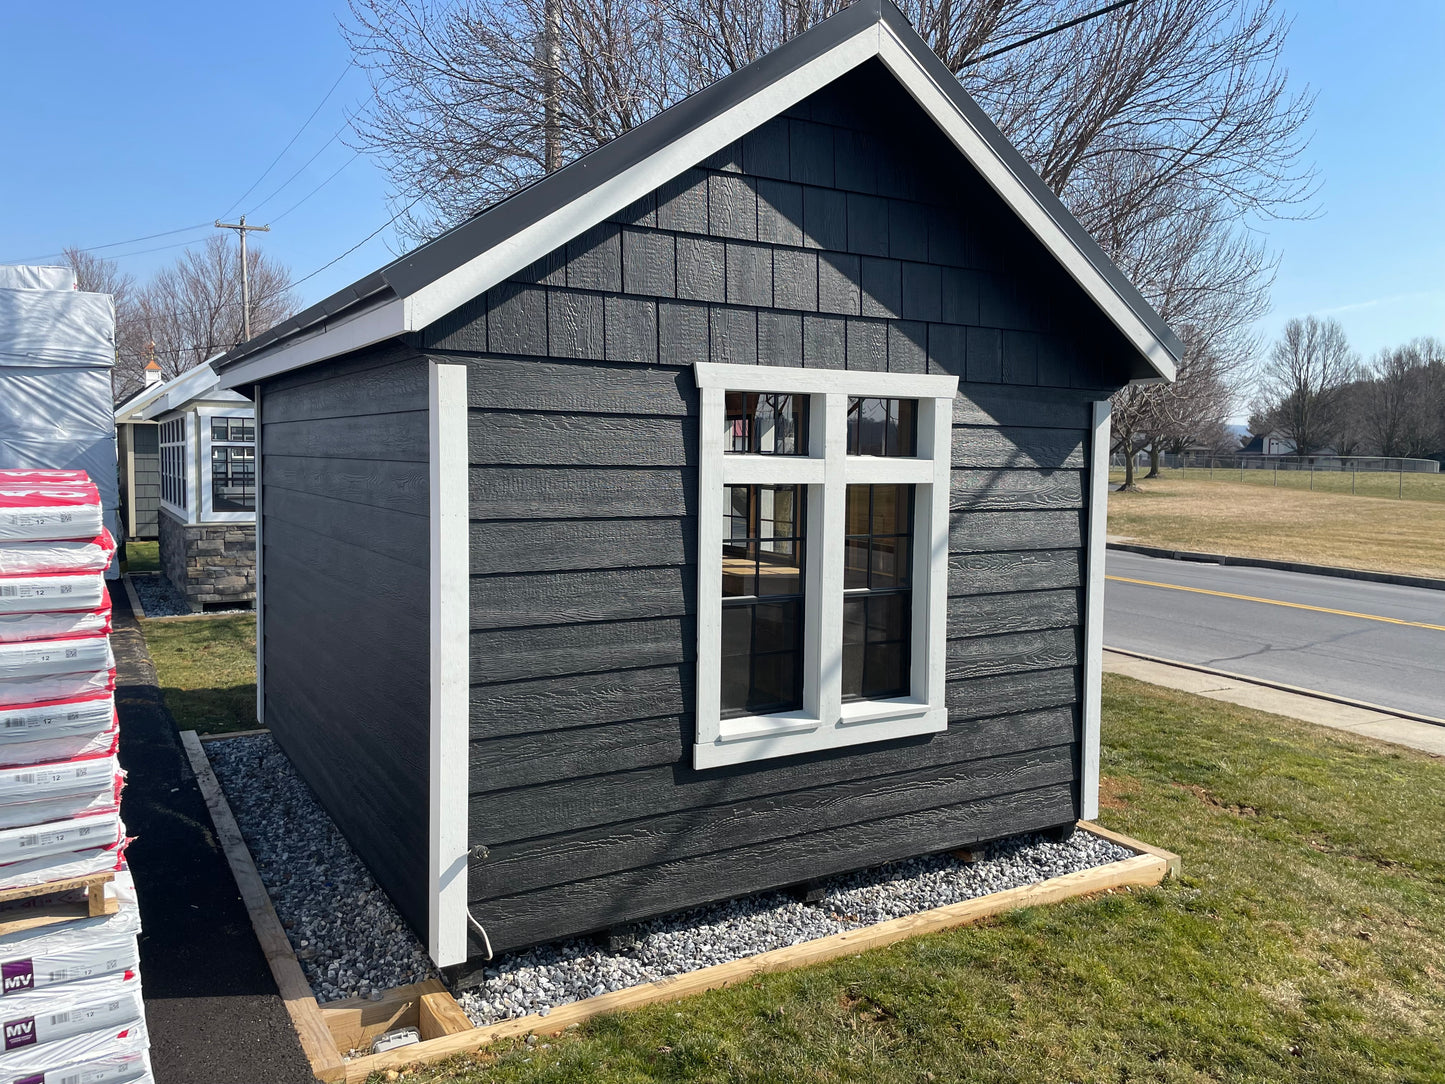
(187, 460)
(204, 416)
(825, 721)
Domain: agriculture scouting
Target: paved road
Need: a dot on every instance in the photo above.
(1385, 654)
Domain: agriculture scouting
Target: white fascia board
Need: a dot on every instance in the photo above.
(931, 97)
(521, 249)
(366, 328)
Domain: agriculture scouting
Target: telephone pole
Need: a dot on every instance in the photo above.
(243, 229)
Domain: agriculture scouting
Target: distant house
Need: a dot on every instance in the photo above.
(1271, 443)
(723, 511)
(197, 442)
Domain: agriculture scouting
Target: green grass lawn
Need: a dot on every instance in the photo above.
(1305, 942)
(142, 557)
(207, 670)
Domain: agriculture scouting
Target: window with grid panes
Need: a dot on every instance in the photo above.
(823, 569)
(233, 464)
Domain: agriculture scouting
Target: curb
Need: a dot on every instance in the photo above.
(1315, 694)
(1397, 579)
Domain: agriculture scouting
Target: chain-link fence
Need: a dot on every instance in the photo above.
(1363, 476)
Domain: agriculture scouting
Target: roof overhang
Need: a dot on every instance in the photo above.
(200, 383)
(461, 264)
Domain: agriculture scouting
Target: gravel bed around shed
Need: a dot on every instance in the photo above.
(538, 980)
(160, 598)
(351, 941)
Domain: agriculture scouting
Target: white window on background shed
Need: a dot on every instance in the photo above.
(173, 463)
(823, 559)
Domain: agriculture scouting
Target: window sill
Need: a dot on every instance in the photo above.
(752, 727)
(879, 711)
(765, 737)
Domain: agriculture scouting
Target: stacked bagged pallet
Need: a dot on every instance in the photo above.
(70, 996)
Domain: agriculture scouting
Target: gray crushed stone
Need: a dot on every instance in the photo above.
(160, 598)
(352, 943)
(538, 980)
(350, 940)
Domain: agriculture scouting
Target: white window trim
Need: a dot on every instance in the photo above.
(825, 721)
(188, 466)
(203, 416)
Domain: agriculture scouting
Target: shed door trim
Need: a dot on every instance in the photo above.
(448, 575)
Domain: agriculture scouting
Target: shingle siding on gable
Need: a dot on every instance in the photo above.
(820, 241)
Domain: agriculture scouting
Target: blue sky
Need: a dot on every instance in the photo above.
(124, 120)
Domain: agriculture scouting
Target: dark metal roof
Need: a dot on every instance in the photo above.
(434, 259)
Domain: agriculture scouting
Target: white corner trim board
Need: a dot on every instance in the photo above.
(1094, 608)
(825, 721)
(447, 759)
(260, 575)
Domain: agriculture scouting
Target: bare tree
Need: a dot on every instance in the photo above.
(96, 274)
(1304, 382)
(1185, 95)
(1403, 404)
(191, 310)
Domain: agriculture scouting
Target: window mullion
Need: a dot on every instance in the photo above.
(825, 605)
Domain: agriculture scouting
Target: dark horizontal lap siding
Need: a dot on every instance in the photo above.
(345, 535)
(819, 242)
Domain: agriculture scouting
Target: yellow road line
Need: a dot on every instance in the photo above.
(1277, 602)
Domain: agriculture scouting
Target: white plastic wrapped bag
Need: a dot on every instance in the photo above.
(64, 747)
(104, 1006)
(63, 777)
(39, 513)
(28, 723)
(69, 952)
(36, 690)
(109, 1056)
(32, 841)
(36, 658)
(64, 867)
(57, 555)
(53, 591)
(56, 624)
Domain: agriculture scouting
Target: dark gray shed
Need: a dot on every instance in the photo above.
(722, 512)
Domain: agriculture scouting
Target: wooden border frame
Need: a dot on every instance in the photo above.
(327, 1033)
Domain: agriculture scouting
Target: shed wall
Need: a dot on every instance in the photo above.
(145, 497)
(345, 535)
(841, 236)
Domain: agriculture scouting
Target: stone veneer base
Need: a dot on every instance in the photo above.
(209, 563)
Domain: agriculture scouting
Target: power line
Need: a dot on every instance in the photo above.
(282, 186)
(318, 188)
(291, 141)
(206, 225)
(1046, 33)
(118, 244)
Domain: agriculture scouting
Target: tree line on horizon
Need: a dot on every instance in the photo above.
(1316, 392)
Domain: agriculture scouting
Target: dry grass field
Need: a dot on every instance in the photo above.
(1284, 523)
